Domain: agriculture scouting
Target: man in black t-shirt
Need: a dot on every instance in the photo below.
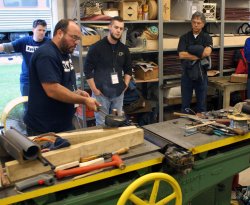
(53, 91)
(194, 48)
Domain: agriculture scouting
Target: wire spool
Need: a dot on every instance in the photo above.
(152, 10)
(239, 121)
(13, 114)
(246, 108)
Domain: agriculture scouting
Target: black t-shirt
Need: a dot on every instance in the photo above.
(49, 65)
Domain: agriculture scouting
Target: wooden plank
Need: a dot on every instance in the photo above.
(129, 138)
(86, 135)
(67, 166)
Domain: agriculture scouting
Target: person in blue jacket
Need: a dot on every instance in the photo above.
(26, 46)
(247, 56)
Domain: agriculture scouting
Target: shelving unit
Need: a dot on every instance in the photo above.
(81, 53)
(219, 26)
(177, 28)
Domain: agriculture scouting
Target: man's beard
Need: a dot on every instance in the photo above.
(114, 38)
(64, 47)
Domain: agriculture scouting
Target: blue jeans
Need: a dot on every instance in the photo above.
(24, 89)
(108, 104)
(187, 87)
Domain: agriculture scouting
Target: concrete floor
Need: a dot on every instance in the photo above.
(244, 177)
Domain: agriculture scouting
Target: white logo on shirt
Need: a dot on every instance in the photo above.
(67, 65)
(31, 49)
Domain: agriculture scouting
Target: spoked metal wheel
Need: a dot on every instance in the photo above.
(13, 113)
(155, 179)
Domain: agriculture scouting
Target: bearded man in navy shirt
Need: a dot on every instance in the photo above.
(53, 92)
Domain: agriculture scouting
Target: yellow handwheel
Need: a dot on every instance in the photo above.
(13, 113)
(157, 177)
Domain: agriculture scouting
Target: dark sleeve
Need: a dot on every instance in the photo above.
(196, 50)
(182, 46)
(48, 69)
(209, 41)
(247, 50)
(127, 69)
(19, 44)
(89, 64)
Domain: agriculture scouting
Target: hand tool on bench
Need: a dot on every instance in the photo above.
(42, 179)
(116, 161)
(105, 155)
(200, 125)
(113, 120)
(236, 131)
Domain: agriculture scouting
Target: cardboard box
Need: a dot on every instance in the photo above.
(88, 40)
(170, 43)
(148, 75)
(166, 10)
(238, 78)
(235, 40)
(151, 45)
(128, 10)
(231, 40)
(216, 41)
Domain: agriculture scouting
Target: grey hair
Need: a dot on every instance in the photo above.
(200, 15)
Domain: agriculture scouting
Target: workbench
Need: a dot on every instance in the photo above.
(216, 160)
(224, 85)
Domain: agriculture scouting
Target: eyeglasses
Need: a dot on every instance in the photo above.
(39, 22)
(74, 37)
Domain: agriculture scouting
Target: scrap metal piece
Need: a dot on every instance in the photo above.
(19, 146)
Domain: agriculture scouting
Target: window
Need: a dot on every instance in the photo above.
(20, 3)
(48, 3)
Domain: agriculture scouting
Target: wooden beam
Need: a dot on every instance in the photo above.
(86, 135)
(128, 138)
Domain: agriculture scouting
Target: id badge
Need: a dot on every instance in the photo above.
(114, 78)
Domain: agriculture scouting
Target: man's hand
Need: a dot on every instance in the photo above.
(82, 93)
(92, 104)
(97, 92)
(207, 52)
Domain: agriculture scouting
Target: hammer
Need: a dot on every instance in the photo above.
(105, 155)
(116, 161)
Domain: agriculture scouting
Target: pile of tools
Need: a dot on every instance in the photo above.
(218, 123)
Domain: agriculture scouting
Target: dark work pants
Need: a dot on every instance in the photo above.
(200, 88)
